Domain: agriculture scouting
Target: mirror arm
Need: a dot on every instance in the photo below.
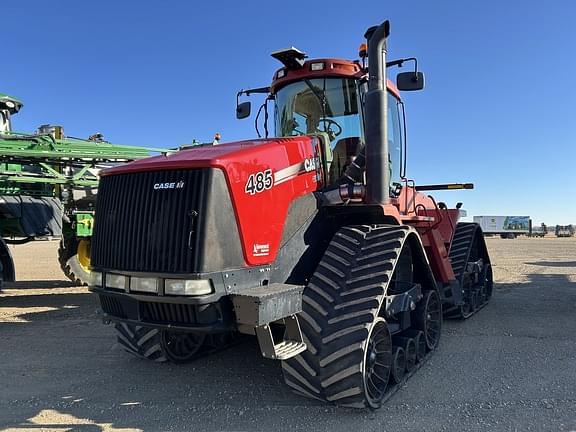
(400, 63)
(248, 92)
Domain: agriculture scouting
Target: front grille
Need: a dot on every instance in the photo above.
(168, 312)
(140, 228)
(111, 306)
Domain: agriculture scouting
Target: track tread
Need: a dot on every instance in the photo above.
(143, 342)
(459, 255)
(336, 324)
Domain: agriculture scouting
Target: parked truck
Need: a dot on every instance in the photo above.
(504, 226)
(540, 231)
(564, 231)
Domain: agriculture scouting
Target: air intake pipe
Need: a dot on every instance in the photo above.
(375, 117)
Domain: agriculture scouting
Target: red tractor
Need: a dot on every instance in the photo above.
(313, 240)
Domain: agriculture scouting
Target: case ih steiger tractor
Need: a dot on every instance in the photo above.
(313, 240)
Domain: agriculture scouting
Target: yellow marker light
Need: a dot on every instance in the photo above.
(363, 50)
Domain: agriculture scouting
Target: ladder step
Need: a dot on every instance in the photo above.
(288, 349)
(292, 345)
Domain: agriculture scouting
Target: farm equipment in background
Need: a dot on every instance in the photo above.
(507, 227)
(314, 240)
(48, 186)
(540, 231)
(564, 231)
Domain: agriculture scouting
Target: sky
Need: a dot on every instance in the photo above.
(499, 108)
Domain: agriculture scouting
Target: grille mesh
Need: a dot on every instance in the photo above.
(139, 228)
(112, 306)
(168, 312)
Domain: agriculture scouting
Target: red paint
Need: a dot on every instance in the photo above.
(332, 68)
(259, 217)
(436, 232)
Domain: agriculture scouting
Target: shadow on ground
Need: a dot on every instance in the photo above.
(38, 284)
(553, 263)
(28, 308)
(77, 378)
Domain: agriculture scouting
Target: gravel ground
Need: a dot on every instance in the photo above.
(512, 367)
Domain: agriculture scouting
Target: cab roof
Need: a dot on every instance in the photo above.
(326, 67)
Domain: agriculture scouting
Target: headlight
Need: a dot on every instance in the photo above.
(187, 287)
(116, 281)
(95, 279)
(144, 284)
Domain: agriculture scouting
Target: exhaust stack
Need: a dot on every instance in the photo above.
(376, 110)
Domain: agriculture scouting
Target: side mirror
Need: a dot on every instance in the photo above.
(243, 110)
(410, 81)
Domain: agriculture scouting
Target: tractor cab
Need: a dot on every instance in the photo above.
(8, 106)
(326, 97)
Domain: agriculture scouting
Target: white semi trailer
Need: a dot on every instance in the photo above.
(505, 226)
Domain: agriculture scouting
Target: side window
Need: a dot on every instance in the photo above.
(394, 139)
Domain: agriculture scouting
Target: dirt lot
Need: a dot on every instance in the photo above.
(511, 367)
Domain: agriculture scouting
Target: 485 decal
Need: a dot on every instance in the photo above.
(259, 182)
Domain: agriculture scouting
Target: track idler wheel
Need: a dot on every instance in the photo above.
(419, 342)
(428, 318)
(377, 361)
(398, 365)
(409, 346)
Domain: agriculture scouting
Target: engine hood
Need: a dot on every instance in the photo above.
(210, 156)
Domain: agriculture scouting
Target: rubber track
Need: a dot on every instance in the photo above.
(146, 343)
(340, 303)
(459, 257)
(143, 342)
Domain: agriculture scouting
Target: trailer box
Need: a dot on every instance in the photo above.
(506, 226)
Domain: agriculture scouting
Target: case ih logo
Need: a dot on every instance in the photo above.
(173, 185)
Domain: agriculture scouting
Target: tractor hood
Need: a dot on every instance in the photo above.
(258, 152)
(261, 179)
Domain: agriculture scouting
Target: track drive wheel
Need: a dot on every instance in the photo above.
(349, 355)
(74, 258)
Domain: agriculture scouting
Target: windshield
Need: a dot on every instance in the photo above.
(319, 105)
